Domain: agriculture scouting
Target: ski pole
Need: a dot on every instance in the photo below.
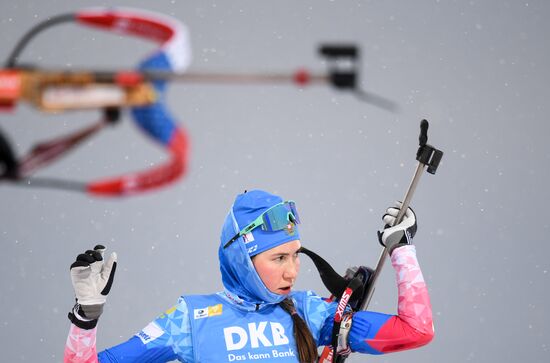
(427, 157)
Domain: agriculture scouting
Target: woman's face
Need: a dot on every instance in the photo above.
(278, 267)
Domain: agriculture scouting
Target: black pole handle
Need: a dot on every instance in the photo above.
(427, 154)
(423, 138)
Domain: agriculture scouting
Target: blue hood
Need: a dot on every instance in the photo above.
(239, 276)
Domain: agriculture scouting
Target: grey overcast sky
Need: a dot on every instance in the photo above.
(477, 70)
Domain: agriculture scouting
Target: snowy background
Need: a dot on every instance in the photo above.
(477, 70)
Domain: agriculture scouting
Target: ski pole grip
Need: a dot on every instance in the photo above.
(427, 154)
(423, 138)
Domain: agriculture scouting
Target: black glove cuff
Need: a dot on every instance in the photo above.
(86, 325)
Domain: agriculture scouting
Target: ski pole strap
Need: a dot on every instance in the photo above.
(334, 283)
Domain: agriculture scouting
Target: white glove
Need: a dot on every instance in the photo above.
(391, 236)
(92, 279)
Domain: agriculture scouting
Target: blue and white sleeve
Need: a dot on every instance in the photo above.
(166, 338)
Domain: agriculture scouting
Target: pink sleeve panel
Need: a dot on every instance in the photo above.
(413, 326)
(80, 346)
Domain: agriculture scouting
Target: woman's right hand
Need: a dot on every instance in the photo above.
(393, 236)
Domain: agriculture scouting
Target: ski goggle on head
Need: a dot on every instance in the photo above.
(274, 219)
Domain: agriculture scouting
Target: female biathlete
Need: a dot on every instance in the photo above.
(258, 317)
